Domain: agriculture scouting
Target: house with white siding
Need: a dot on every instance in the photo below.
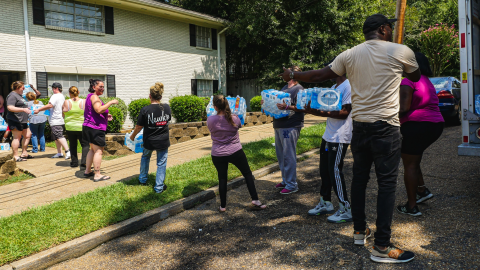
(130, 44)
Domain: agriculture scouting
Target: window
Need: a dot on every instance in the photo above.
(80, 81)
(204, 88)
(74, 15)
(203, 37)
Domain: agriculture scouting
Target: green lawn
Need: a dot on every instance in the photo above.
(41, 228)
(13, 179)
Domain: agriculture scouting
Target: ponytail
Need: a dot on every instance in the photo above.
(221, 103)
(32, 97)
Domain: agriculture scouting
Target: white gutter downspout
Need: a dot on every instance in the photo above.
(27, 42)
(219, 60)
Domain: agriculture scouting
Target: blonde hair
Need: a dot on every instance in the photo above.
(221, 103)
(74, 91)
(31, 96)
(156, 91)
(16, 85)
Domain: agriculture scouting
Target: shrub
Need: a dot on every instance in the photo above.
(255, 104)
(188, 108)
(135, 106)
(121, 105)
(116, 124)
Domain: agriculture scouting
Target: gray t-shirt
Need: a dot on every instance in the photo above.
(295, 119)
(37, 118)
(14, 99)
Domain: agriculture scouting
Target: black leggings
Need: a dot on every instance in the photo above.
(73, 136)
(240, 161)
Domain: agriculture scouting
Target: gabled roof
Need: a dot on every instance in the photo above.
(155, 8)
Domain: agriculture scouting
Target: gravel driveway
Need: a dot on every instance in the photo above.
(284, 237)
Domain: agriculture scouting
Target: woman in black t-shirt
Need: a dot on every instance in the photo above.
(153, 119)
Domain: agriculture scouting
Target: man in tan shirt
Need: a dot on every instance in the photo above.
(375, 70)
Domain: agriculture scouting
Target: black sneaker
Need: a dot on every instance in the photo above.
(412, 212)
(164, 188)
(143, 184)
(391, 255)
(426, 195)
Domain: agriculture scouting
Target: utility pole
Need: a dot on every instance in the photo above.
(400, 24)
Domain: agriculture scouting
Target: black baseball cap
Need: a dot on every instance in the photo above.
(375, 21)
(57, 85)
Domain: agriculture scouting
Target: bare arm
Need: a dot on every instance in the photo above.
(342, 114)
(44, 108)
(406, 93)
(2, 101)
(36, 91)
(17, 110)
(135, 132)
(414, 76)
(97, 104)
(312, 76)
(66, 106)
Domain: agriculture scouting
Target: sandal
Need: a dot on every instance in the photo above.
(258, 207)
(90, 174)
(27, 157)
(20, 159)
(220, 209)
(103, 178)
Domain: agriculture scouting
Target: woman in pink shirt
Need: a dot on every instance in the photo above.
(421, 125)
(226, 148)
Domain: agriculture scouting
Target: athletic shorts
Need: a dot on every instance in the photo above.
(17, 125)
(418, 136)
(57, 132)
(94, 136)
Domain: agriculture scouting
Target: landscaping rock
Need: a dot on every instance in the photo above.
(106, 153)
(204, 123)
(258, 123)
(248, 119)
(17, 172)
(204, 130)
(184, 139)
(254, 119)
(173, 140)
(257, 113)
(262, 118)
(113, 145)
(195, 124)
(176, 132)
(124, 152)
(9, 166)
(181, 125)
(4, 176)
(200, 135)
(5, 156)
(190, 131)
(269, 119)
(249, 125)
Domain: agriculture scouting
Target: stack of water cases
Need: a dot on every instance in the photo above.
(273, 97)
(323, 99)
(136, 145)
(237, 106)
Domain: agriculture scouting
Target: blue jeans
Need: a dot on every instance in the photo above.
(38, 134)
(161, 167)
(286, 149)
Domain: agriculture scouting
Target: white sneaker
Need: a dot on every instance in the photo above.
(67, 155)
(57, 155)
(341, 216)
(322, 208)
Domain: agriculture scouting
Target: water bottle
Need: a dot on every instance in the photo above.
(477, 104)
(26, 90)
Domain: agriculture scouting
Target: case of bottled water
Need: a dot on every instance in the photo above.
(136, 145)
(237, 105)
(27, 90)
(326, 99)
(477, 104)
(3, 124)
(270, 99)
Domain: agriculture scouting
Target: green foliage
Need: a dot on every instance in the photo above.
(121, 105)
(135, 106)
(188, 108)
(116, 124)
(43, 227)
(255, 105)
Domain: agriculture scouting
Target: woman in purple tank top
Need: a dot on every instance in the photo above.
(94, 128)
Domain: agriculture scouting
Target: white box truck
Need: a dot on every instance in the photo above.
(469, 34)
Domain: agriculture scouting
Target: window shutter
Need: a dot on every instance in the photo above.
(38, 12)
(194, 87)
(111, 92)
(42, 83)
(215, 86)
(214, 39)
(109, 20)
(193, 35)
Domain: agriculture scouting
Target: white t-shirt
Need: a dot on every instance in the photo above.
(340, 130)
(375, 70)
(56, 117)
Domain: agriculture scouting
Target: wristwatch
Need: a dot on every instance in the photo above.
(291, 75)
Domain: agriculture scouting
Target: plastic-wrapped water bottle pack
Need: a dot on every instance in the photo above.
(323, 99)
(477, 104)
(237, 106)
(136, 145)
(271, 98)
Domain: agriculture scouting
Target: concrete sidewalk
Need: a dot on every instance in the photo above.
(56, 180)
